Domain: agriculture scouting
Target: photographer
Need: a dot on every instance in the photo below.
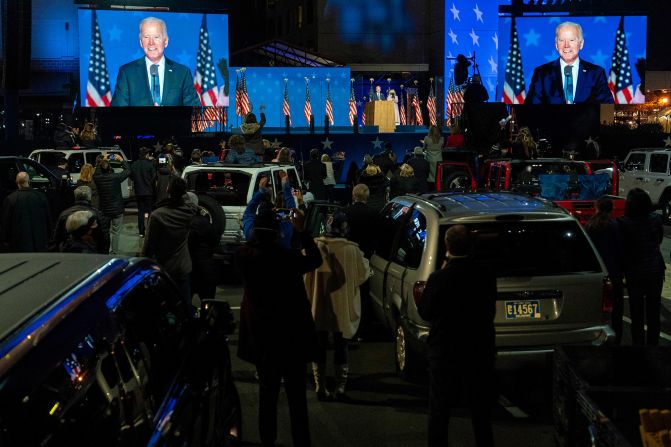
(109, 183)
(143, 174)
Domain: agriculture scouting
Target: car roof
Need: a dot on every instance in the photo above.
(219, 165)
(651, 149)
(537, 160)
(83, 149)
(456, 204)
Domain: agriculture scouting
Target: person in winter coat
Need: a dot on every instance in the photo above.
(100, 232)
(167, 238)
(239, 153)
(330, 180)
(143, 174)
(164, 174)
(80, 227)
(606, 234)
(111, 198)
(378, 185)
(25, 219)
(277, 333)
(421, 169)
(252, 132)
(333, 290)
(314, 173)
(86, 179)
(643, 232)
(386, 160)
(203, 240)
(403, 182)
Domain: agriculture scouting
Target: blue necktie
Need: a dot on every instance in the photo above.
(568, 88)
(155, 85)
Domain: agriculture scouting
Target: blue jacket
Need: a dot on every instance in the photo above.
(546, 85)
(286, 228)
(132, 85)
(248, 157)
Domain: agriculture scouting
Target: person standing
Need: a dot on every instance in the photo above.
(167, 238)
(86, 179)
(277, 333)
(314, 173)
(82, 203)
(378, 186)
(143, 174)
(433, 148)
(461, 350)
(333, 289)
(203, 241)
(643, 232)
(391, 96)
(80, 227)
(403, 182)
(607, 237)
(111, 199)
(421, 167)
(25, 220)
(329, 181)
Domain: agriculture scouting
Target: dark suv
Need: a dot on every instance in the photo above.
(97, 350)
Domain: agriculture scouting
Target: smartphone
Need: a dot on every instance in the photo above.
(162, 160)
(284, 213)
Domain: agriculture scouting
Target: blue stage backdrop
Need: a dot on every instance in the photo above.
(266, 86)
(119, 34)
(536, 36)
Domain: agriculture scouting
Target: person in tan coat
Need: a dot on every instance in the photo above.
(333, 290)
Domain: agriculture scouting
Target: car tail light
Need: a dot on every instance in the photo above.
(607, 295)
(418, 291)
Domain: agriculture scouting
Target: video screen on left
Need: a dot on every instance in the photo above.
(150, 58)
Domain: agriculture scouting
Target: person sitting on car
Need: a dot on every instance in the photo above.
(81, 226)
(239, 153)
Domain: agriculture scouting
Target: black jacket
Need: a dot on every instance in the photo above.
(315, 172)
(402, 185)
(163, 176)
(25, 222)
(363, 224)
(143, 174)
(377, 184)
(100, 235)
(384, 161)
(109, 190)
(421, 167)
(642, 237)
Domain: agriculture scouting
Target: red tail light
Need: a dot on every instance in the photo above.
(607, 295)
(418, 291)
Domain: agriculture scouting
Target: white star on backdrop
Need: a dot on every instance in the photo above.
(453, 37)
(115, 34)
(589, 140)
(475, 37)
(478, 14)
(495, 38)
(326, 144)
(667, 142)
(493, 64)
(532, 38)
(377, 143)
(455, 13)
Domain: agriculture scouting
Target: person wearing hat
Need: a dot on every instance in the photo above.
(333, 290)
(80, 226)
(277, 333)
(421, 169)
(143, 174)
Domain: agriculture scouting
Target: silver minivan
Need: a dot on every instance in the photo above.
(552, 285)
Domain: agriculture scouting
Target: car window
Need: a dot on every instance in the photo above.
(390, 222)
(229, 188)
(317, 217)
(659, 163)
(277, 182)
(259, 175)
(38, 176)
(524, 249)
(75, 162)
(91, 157)
(412, 240)
(50, 158)
(635, 162)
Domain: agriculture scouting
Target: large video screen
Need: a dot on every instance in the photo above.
(116, 59)
(532, 66)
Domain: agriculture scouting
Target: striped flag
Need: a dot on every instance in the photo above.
(286, 109)
(419, 121)
(431, 106)
(619, 79)
(329, 104)
(352, 106)
(238, 94)
(455, 100)
(363, 114)
(98, 91)
(307, 108)
(401, 110)
(245, 105)
(514, 91)
(205, 78)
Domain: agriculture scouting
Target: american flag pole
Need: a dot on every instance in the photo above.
(286, 107)
(98, 90)
(620, 79)
(329, 105)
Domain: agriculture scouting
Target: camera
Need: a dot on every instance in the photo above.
(162, 160)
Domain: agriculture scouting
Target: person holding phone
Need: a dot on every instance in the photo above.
(109, 183)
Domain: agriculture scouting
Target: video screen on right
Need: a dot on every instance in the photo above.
(572, 60)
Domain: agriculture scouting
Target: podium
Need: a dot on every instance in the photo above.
(381, 114)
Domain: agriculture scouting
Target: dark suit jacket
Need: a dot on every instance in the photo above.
(546, 85)
(132, 85)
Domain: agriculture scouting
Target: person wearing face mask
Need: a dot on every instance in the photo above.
(569, 79)
(154, 80)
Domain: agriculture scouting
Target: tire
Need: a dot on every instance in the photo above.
(407, 361)
(665, 206)
(458, 181)
(214, 212)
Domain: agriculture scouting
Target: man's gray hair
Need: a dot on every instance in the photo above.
(565, 24)
(77, 220)
(83, 193)
(154, 20)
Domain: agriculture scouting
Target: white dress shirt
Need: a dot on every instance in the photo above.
(161, 73)
(575, 68)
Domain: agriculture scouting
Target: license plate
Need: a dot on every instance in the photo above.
(520, 310)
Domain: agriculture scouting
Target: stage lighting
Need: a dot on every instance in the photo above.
(461, 69)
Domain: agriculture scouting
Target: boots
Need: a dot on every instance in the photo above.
(318, 370)
(341, 381)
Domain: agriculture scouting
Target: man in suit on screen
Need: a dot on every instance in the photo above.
(154, 80)
(569, 80)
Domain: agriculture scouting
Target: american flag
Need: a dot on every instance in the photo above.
(205, 78)
(513, 87)
(329, 104)
(238, 94)
(363, 114)
(352, 106)
(245, 105)
(307, 108)
(98, 92)
(431, 106)
(454, 100)
(419, 121)
(401, 110)
(619, 79)
(286, 109)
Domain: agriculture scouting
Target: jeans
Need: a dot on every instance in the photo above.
(143, 207)
(115, 232)
(645, 300)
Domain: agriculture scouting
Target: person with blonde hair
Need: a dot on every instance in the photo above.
(86, 179)
(88, 136)
(329, 181)
(524, 144)
(433, 150)
(377, 183)
(403, 182)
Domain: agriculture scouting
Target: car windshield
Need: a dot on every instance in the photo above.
(515, 249)
(559, 180)
(229, 188)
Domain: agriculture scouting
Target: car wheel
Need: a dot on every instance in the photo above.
(458, 181)
(406, 359)
(665, 206)
(213, 211)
